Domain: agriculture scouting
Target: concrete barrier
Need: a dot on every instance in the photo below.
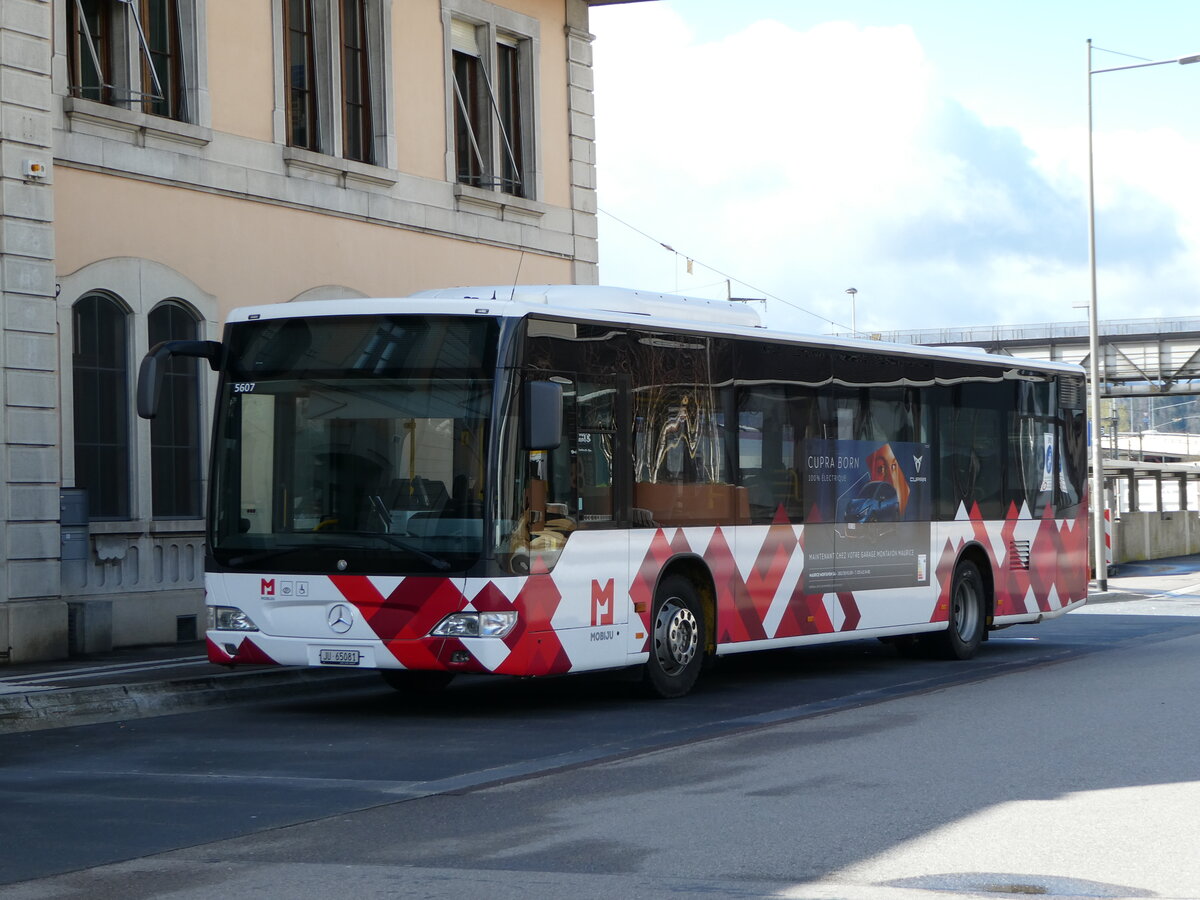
(1156, 535)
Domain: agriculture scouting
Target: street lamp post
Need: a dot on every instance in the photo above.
(1098, 543)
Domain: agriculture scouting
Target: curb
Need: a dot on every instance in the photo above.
(62, 708)
(1095, 598)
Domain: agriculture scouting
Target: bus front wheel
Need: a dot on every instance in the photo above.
(968, 619)
(677, 639)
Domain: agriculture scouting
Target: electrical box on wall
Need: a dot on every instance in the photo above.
(33, 168)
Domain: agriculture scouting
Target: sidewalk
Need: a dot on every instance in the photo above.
(141, 681)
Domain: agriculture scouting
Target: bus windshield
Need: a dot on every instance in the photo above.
(353, 444)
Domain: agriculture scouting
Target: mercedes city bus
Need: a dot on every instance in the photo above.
(541, 480)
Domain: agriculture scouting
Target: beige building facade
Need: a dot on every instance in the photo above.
(164, 161)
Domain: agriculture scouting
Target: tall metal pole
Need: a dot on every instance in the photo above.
(1097, 488)
(1097, 498)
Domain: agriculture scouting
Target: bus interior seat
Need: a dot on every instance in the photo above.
(433, 493)
(642, 518)
(399, 494)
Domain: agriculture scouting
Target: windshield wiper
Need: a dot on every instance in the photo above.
(262, 555)
(440, 564)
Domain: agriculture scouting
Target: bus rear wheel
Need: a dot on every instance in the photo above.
(677, 639)
(968, 618)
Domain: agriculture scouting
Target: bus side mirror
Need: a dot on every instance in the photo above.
(543, 422)
(150, 375)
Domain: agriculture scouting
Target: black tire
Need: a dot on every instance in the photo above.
(416, 685)
(968, 614)
(677, 639)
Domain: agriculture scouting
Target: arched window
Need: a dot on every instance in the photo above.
(100, 367)
(175, 432)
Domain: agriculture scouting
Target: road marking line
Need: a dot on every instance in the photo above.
(1190, 589)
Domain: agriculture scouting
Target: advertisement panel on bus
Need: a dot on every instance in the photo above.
(869, 512)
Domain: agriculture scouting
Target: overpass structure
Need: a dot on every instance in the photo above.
(1138, 357)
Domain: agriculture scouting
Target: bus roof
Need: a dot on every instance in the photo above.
(597, 303)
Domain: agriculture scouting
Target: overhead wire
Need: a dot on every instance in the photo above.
(766, 294)
(1119, 53)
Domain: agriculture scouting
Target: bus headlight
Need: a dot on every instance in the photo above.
(229, 618)
(476, 624)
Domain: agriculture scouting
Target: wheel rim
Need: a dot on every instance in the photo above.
(966, 610)
(676, 636)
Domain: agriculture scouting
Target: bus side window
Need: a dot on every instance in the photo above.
(970, 425)
(1032, 435)
(1072, 447)
(767, 416)
(548, 512)
(595, 437)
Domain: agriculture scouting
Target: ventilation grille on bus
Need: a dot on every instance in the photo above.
(1018, 555)
(1071, 393)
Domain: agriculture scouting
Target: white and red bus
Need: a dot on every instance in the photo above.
(542, 480)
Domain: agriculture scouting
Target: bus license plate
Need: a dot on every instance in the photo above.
(339, 657)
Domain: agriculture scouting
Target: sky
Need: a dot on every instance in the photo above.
(930, 154)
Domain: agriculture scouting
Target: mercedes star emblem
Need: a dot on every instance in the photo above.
(340, 618)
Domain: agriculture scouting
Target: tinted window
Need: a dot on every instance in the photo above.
(1032, 436)
(362, 345)
(971, 429)
(1073, 467)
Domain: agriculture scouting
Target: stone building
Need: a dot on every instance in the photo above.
(164, 161)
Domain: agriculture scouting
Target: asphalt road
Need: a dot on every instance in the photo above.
(1060, 761)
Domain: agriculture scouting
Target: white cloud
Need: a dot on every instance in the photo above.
(806, 162)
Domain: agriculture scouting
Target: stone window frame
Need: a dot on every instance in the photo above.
(327, 46)
(495, 25)
(128, 69)
(140, 285)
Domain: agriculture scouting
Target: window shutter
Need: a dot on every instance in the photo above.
(464, 37)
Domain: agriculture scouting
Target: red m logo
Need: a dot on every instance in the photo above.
(268, 587)
(602, 603)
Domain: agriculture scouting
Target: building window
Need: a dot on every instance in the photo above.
(509, 84)
(489, 83)
(100, 370)
(89, 49)
(128, 53)
(470, 119)
(175, 480)
(335, 57)
(162, 60)
(300, 53)
(357, 138)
